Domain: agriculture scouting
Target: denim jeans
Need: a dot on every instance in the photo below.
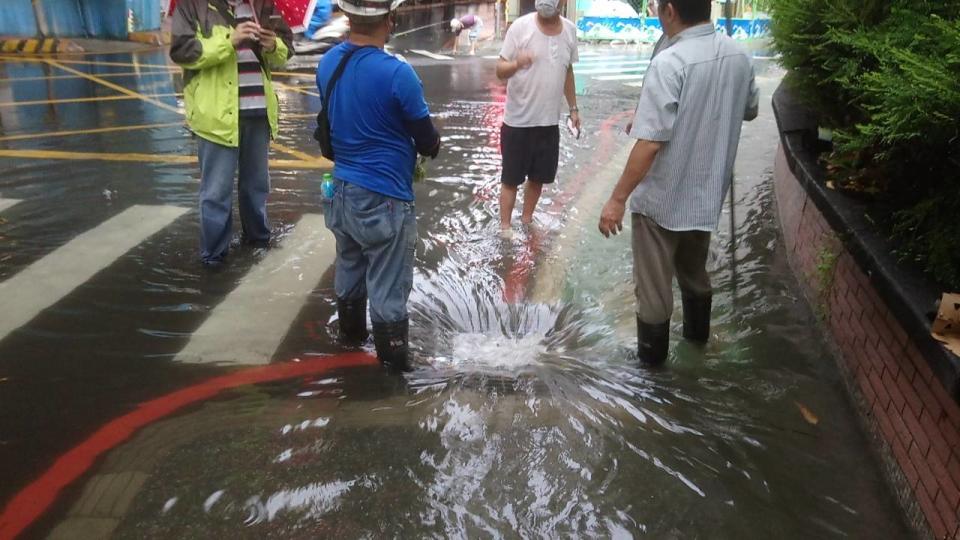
(376, 240)
(218, 167)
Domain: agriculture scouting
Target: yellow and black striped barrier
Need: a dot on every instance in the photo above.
(32, 46)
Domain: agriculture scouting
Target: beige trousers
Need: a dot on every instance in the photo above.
(659, 255)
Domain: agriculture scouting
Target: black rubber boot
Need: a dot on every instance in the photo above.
(696, 318)
(392, 342)
(353, 320)
(653, 342)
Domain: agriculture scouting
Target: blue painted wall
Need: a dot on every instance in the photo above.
(103, 19)
(61, 18)
(649, 29)
(17, 18)
(146, 15)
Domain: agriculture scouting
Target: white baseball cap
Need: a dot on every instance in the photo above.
(369, 8)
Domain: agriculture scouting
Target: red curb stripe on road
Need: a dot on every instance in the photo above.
(518, 278)
(35, 499)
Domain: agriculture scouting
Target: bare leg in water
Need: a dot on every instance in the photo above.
(508, 199)
(531, 197)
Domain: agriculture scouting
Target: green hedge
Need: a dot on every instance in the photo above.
(885, 75)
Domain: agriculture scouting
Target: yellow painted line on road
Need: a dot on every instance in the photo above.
(310, 162)
(295, 89)
(170, 67)
(41, 60)
(295, 74)
(8, 104)
(315, 164)
(77, 100)
(28, 136)
(97, 156)
(112, 86)
(305, 157)
(68, 77)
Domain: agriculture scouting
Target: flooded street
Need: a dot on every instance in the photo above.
(142, 397)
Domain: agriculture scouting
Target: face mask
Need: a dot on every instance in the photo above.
(548, 9)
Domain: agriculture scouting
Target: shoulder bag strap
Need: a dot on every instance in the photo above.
(336, 76)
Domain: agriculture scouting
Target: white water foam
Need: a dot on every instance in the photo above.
(495, 351)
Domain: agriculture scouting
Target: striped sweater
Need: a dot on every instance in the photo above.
(253, 102)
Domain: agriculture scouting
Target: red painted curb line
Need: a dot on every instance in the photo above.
(36, 498)
(518, 278)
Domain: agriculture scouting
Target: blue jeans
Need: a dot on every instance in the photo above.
(218, 167)
(376, 240)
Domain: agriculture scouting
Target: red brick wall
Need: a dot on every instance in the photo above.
(912, 418)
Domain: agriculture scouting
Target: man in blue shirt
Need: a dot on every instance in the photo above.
(379, 122)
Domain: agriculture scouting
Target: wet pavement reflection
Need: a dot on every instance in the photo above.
(526, 414)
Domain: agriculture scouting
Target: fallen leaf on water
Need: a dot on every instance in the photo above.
(807, 414)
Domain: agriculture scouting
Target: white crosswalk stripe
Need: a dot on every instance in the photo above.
(429, 54)
(611, 61)
(46, 281)
(628, 77)
(7, 203)
(626, 69)
(247, 327)
(632, 62)
(604, 71)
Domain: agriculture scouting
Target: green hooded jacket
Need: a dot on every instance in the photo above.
(201, 46)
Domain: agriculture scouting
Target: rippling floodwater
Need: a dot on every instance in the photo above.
(526, 415)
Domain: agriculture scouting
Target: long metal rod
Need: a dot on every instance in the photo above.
(733, 247)
(728, 14)
(420, 28)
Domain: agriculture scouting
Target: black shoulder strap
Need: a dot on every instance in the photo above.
(336, 76)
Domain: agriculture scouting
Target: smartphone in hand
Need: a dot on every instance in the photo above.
(574, 130)
(274, 22)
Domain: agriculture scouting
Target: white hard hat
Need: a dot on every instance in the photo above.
(369, 8)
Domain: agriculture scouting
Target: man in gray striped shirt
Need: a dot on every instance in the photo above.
(698, 90)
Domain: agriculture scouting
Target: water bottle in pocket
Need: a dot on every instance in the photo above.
(328, 188)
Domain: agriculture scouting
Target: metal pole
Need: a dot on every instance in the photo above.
(498, 10)
(728, 9)
(733, 247)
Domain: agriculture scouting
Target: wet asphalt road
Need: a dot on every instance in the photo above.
(95, 160)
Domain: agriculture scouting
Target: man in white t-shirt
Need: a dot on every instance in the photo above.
(537, 60)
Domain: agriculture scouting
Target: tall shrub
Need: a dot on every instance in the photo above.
(886, 77)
